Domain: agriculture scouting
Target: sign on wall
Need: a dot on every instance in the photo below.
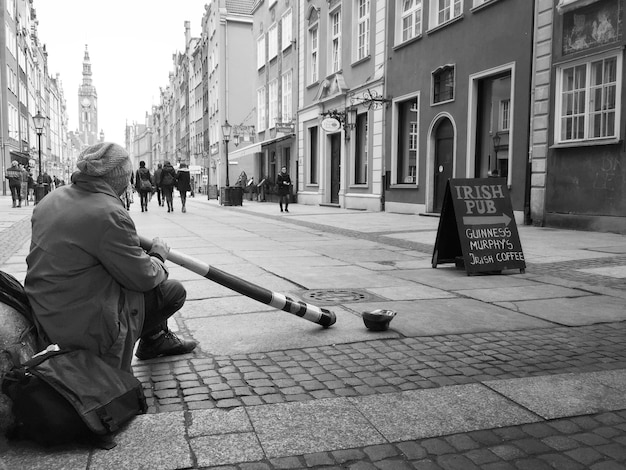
(331, 124)
(477, 224)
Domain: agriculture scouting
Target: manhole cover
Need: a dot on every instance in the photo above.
(337, 296)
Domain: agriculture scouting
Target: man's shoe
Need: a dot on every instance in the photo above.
(168, 344)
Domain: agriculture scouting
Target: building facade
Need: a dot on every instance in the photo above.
(26, 89)
(458, 79)
(342, 67)
(578, 155)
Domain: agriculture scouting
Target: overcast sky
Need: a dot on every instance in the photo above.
(130, 42)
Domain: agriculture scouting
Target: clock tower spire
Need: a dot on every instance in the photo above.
(87, 105)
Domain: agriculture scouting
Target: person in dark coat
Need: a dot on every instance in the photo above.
(168, 181)
(157, 183)
(14, 175)
(89, 282)
(183, 183)
(283, 184)
(143, 184)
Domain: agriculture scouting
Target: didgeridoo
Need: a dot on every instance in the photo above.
(309, 312)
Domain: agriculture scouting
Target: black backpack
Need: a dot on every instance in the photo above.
(62, 396)
(12, 294)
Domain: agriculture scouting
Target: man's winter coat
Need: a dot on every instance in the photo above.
(183, 179)
(86, 271)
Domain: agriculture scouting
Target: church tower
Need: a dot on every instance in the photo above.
(87, 106)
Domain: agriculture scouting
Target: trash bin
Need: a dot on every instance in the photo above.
(231, 196)
(40, 192)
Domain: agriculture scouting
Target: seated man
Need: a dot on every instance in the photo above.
(90, 284)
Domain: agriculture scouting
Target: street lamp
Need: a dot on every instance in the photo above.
(226, 130)
(40, 121)
(229, 196)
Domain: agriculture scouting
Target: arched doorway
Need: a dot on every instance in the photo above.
(443, 137)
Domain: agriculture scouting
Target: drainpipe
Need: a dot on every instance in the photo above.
(528, 183)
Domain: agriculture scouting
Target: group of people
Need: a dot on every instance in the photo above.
(163, 182)
(22, 184)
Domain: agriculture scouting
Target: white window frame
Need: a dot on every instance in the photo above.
(504, 115)
(273, 104)
(287, 96)
(272, 41)
(334, 30)
(314, 58)
(450, 9)
(434, 74)
(287, 29)
(362, 29)
(260, 100)
(414, 14)
(588, 99)
(260, 52)
(397, 102)
(366, 153)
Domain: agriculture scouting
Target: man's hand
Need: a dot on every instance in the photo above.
(160, 247)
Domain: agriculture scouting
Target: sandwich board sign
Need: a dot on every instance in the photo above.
(477, 225)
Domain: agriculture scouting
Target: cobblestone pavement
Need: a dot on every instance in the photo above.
(365, 368)
(378, 366)
(596, 442)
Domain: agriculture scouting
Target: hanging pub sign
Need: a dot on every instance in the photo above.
(477, 227)
(330, 124)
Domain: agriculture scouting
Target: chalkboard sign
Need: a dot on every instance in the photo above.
(477, 227)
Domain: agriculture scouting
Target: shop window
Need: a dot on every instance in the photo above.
(360, 151)
(407, 143)
(588, 99)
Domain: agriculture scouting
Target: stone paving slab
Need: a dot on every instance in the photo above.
(256, 332)
(411, 291)
(539, 291)
(610, 271)
(558, 396)
(428, 413)
(149, 441)
(347, 276)
(449, 278)
(573, 311)
(447, 316)
(308, 427)
(231, 305)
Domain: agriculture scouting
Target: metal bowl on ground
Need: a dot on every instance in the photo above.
(378, 320)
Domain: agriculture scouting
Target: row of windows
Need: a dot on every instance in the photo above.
(277, 109)
(409, 23)
(588, 108)
(272, 40)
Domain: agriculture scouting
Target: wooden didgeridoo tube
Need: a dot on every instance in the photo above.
(309, 312)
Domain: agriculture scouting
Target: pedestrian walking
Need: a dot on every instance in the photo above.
(283, 183)
(46, 181)
(90, 284)
(24, 184)
(143, 185)
(14, 175)
(31, 186)
(183, 183)
(168, 181)
(157, 183)
(192, 191)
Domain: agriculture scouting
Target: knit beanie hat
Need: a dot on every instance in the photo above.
(109, 161)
